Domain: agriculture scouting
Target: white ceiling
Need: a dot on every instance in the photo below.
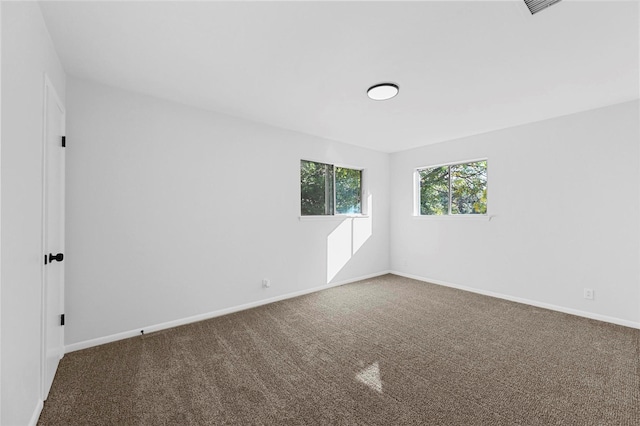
(463, 67)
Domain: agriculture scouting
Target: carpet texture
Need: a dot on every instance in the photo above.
(384, 351)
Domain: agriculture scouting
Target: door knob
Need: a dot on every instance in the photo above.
(57, 257)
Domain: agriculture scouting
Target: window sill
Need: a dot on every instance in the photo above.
(478, 217)
(333, 217)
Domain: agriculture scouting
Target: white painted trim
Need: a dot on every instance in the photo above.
(454, 163)
(455, 217)
(43, 219)
(49, 90)
(329, 163)
(201, 317)
(585, 314)
(332, 217)
(36, 413)
(639, 161)
(0, 208)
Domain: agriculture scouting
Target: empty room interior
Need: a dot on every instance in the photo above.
(320, 212)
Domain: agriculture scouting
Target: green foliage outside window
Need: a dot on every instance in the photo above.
(316, 188)
(434, 191)
(322, 185)
(456, 189)
(348, 191)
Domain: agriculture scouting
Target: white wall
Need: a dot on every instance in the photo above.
(27, 53)
(564, 195)
(0, 210)
(174, 211)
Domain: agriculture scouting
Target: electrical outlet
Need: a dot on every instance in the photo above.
(266, 283)
(588, 293)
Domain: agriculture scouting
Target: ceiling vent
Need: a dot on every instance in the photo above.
(536, 6)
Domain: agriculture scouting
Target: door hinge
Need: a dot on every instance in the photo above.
(62, 319)
(64, 141)
(57, 257)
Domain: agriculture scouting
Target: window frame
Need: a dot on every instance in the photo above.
(448, 216)
(364, 207)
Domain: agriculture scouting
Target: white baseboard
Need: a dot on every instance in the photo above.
(175, 323)
(591, 315)
(36, 413)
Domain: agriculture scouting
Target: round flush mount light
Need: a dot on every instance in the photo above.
(382, 91)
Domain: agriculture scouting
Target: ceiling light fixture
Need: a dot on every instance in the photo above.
(383, 91)
(536, 6)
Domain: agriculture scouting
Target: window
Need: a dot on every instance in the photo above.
(455, 189)
(326, 189)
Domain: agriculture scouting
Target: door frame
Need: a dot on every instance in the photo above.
(0, 206)
(48, 91)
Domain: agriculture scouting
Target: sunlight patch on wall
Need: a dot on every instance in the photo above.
(338, 248)
(362, 228)
(345, 241)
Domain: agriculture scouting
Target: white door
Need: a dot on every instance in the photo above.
(53, 235)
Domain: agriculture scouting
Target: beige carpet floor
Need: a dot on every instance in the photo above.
(385, 351)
